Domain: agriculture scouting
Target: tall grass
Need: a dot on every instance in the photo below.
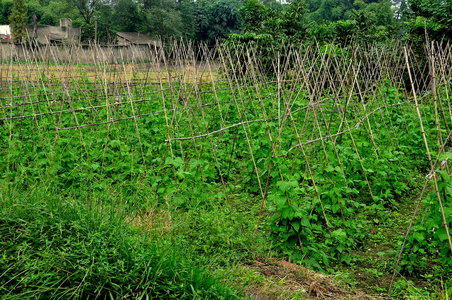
(53, 247)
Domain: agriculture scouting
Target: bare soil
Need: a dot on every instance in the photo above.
(285, 280)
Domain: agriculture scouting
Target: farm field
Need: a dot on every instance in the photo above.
(201, 176)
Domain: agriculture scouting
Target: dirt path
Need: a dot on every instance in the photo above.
(284, 280)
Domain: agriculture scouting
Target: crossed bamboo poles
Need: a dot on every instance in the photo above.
(214, 99)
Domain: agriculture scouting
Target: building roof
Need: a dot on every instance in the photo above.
(48, 34)
(136, 38)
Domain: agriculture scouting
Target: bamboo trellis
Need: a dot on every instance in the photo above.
(216, 103)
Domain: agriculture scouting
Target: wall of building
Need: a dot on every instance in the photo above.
(47, 33)
(5, 30)
(80, 54)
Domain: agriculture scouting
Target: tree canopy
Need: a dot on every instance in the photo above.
(431, 15)
(18, 19)
(211, 20)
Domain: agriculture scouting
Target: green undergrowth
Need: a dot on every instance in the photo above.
(55, 247)
(372, 264)
(200, 200)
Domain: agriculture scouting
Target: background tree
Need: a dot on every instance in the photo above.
(54, 10)
(188, 12)
(330, 10)
(34, 8)
(87, 8)
(401, 10)
(269, 31)
(294, 19)
(106, 31)
(254, 15)
(436, 14)
(161, 18)
(325, 11)
(382, 12)
(126, 15)
(210, 20)
(273, 4)
(219, 19)
(6, 7)
(18, 20)
(364, 25)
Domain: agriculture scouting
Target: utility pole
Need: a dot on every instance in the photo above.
(95, 29)
(35, 26)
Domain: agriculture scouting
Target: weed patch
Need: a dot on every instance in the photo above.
(53, 248)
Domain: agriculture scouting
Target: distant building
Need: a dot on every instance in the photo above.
(135, 38)
(64, 33)
(5, 33)
(46, 34)
(284, 1)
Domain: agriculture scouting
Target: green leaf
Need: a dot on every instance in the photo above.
(42, 161)
(339, 234)
(305, 222)
(347, 259)
(335, 208)
(442, 234)
(419, 237)
(296, 225)
(177, 162)
(329, 169)
(287, 213)
(286, 185)
(448, 214)
(115, 143)
(444, 175)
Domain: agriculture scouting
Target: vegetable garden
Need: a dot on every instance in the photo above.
(310, 141)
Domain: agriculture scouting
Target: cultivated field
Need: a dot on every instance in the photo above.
(210, 168)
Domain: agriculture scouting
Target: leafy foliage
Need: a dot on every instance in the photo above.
(268, 31)
(18, 20)
(434, 16)
(315, 194)
(429, 236)
(217, 20)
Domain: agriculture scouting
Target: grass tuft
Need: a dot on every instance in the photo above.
(53, 248)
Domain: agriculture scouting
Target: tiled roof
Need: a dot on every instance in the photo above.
(136, 38)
